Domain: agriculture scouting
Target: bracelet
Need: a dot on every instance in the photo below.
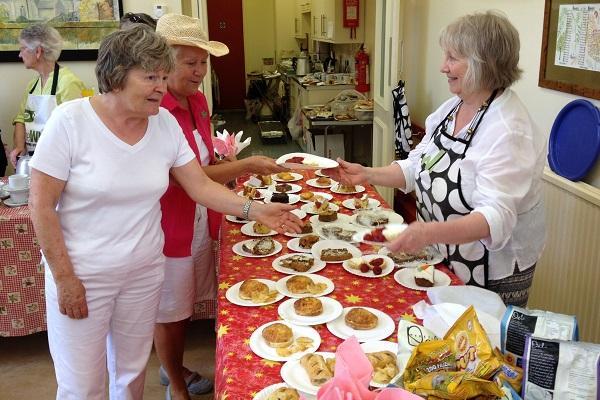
(246, 209)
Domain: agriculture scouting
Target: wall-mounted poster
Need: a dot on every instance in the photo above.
(82, 24)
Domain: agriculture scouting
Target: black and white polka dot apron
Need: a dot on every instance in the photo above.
(440, 197)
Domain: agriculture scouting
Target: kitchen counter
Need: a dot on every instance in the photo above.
(296, 78)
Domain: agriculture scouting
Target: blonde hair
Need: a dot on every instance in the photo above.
(490, 43)
(136, 47)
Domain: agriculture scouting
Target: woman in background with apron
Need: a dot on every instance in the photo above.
(40, 47)
(477, 172)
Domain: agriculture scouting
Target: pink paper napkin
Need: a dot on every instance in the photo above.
(352, 376)
(228, 145)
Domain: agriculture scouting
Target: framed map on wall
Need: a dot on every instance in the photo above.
(570, 58)
(82, 24)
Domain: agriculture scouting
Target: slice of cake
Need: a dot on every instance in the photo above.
(425, 275)
(280, 198)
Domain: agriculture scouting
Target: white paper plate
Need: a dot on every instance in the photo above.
(320, 173)
(326, 196)
(260, 194)
(393, 218)
(295, 175)
(260, 347)
(322, 230)
(311, 161)
(233, 294)
(433, 257)
(331, 310)
(10, 203)
(295, 188)
(292, 198)
(247, 229)
(373, 203)
(358, 189)
(233, 218)
(310, 208)
(333, 244)
(313, 183)
(264, 394)
(384, 345)
(317, 266)
(360, 235)
(406, 277)
(294, 245)
(385, 327)
(386, 269)
(237, 249)
(298, 213)
(341, 218)
(282, 288)
(257, 183)
(296, 376)
(295, 235)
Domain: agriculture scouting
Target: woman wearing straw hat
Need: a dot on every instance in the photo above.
(97, 177)
(190, 231)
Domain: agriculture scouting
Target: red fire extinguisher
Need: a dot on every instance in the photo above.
(361, 66)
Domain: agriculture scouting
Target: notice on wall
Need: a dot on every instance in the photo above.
(578, 36)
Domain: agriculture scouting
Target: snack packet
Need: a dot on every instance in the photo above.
(508, 373)
(471, 346)
(561, 370)
(519, 322)
(453, 385)
(427, 357)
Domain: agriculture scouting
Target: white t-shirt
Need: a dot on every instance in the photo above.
(109, 209)
(501, 179)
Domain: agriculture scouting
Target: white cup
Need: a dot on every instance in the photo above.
(18, 181)
(19, 197)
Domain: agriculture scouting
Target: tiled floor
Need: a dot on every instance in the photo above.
(26, 371)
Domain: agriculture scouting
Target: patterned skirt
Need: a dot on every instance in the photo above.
(514, 289)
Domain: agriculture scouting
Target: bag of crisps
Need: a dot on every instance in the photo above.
(471, 346)
(453, 386)
(431, 356)
(509, 373)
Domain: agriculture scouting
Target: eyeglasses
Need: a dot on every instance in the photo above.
(134, 18)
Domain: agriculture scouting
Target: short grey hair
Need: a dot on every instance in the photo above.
(136, 47)
(44, 36)
(490, 43)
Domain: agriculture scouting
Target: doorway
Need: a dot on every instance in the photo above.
(225, 24)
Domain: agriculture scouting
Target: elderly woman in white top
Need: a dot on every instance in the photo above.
(98, 174)
(477, 172)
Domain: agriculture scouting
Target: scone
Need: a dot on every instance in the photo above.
(361, 319)
(308, 306)
(300, 284)
(316, 368)
(306, 242)
(260, 229)
(323, 181)
(278, 335)
(284, 393)
(256, 291)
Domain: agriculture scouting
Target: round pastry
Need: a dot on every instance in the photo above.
(278, 335)
(251, 287)
(361, 319)
(260, 229)
(323, 181)
(299, 284)
(284, 393)
(308, 306)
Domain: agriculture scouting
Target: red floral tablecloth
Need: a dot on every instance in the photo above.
(239, 373)
(22, 303)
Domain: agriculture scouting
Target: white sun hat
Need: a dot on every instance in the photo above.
(187, 31)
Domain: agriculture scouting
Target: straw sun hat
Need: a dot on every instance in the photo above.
(186, 31)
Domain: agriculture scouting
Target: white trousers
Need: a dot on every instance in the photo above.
(117, 334)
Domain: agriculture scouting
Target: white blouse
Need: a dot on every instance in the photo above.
(501, 179)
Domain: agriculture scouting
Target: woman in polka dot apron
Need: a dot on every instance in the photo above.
(477, 172)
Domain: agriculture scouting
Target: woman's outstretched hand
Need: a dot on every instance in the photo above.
(348, 173)
(412, 240)
(276, 216)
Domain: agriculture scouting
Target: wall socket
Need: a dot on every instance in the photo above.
(159, 10)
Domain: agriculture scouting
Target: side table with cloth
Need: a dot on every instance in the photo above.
(22, 302)
(239, 373)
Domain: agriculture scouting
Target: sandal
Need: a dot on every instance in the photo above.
(196, 383)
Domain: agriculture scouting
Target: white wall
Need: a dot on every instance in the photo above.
(427, 87)
(259, 32)
(14, 77)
